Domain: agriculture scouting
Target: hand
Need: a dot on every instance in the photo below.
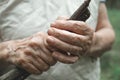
(75, 37)
(31, 54)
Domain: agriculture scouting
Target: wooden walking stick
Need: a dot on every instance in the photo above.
(81, 14)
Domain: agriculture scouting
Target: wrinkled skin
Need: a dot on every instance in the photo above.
(65, 42)
(31, 54)
(75, 37)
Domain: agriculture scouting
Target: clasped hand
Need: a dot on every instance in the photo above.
(70, 39)
(65, 42)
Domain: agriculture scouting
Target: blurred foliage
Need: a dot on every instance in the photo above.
(110, 62)
(113, 4)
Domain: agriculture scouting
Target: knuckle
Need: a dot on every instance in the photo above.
(77, 23)
(83, 23)
(33, 43)
(77, 39)
(39, 34)
(57, 34)
(20, 60)
(27, 52)
(80, 23)
(53, 32)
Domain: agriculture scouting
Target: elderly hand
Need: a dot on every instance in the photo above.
(31, 54)
(73, 37)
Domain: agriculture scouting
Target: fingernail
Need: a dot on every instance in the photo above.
(50, 40)
(50, 31)
(52, 24)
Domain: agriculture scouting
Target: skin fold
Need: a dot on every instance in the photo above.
(65, 41)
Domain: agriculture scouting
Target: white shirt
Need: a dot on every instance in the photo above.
(23, 18)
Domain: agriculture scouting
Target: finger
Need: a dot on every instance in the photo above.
(38, 63)
(45, 55)
(65, 58)
(47, 58)
(42, 53)
(34, 58)
(41, 65)
(62, 46)
(78, 27)
(31, 68)
(62, 18)
(69, 37)
(28, 66)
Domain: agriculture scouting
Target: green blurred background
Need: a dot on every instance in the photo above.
(110, 62)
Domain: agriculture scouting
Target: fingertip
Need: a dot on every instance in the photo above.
(49, 31)
(53, 24)
(55, 55)
(50, 40)
(75, 59)
(65, 58)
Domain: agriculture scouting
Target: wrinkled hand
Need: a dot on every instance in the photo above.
(31, 54)
(74, 37)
